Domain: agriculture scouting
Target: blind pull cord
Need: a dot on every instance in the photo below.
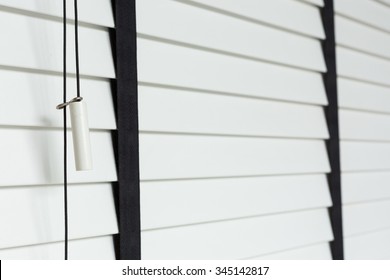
(78, 118)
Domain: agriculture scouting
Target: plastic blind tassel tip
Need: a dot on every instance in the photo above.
(80, 135)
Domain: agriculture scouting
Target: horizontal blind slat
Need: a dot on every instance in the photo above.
(37, 44)
(366, 217)
(174, 157)
(361, 37)
(38, 217)
(37, 153)
(363, 96)
(243, 37)
(286, 14)
(356, 125)
(30, 99)
(193, 112)
(171, 65)
(364, 156)
(98, 12)
(96, 248)
(196, 201)
(261, 235)
(357, 65)
(366, 186)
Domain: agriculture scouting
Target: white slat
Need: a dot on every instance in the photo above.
(193, 112)
(181, 156)
(355, 125)
(167, 64)
(366, 217)
(32, 215)
(360, 66)
(228, 34)
(359, 36)
(367, 11)
(364, 156)
(372, 246)
(29, 99)
(195, 201)
(364, 96)
(37, 154)
(43, 49)
(97, 12)
(366, 186)
(319, 3)
(287, 14)
(97, 248)
(313, 252)
(238, 238)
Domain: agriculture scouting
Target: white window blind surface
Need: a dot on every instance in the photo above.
(31, 148)
(355, 186)
(37, 218)
(93, 248)
(362, 29)
(183, 26)
(363, 96)
(368, 12)
(44, 51)
(177, 66)
(286, 14)
(194, 112)
(246, 237)
(185, 202)
(96, 12)
(232, 130)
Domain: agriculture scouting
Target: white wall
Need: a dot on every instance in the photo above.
(31, 161)
(232, 153)
(363, 64)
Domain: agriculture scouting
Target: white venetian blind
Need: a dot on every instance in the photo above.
(363, 64)
(232, 129)
(31, 160)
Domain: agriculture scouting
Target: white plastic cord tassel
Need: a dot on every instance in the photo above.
(80, 134)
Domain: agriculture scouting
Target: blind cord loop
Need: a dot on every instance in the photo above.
(64, 104)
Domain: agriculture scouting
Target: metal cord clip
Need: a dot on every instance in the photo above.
(63, 105)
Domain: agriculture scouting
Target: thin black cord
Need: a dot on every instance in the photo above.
(65, 136)
(76, 32)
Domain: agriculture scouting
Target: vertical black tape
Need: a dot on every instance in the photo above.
(333, 144)
(128, 241)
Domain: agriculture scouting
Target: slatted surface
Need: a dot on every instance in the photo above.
(246, 237)
(286, 14)
(100, 15)
(94, 248)
(165, 156)
(363, 58)
(178, 111)
(355, 186)
(31, 160)
(232, 129)
(45, 47)
(179, 201)
(38, 217)
(183, 26)
(171, 65)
